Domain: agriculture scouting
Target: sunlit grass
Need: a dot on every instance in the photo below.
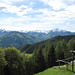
(57, 71)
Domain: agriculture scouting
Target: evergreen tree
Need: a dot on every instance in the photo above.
(40, 61)
(34, 60)
(45, 53)
(59, 51)
(51, 56)
(64, 47)
(28, 67)
(70, 46)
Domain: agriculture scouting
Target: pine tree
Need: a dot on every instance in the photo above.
(40, 61)
(70, 46)
(51, 56)
(59, 51)
(34, 61)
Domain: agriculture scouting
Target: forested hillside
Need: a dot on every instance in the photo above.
(14, 62)
(17, 39)
(30, 48)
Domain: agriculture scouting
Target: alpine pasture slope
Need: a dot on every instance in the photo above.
(56, 71)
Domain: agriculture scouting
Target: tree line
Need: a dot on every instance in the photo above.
(14, 62)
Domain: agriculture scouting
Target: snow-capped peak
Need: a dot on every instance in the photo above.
(2, 30)
(43, 31)
(58, 30)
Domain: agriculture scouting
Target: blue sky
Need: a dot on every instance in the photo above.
(37, 14)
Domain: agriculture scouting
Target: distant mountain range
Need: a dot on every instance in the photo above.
(49, 34)
(18, 38)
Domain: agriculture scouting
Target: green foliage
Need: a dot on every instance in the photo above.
(34, 60)
(3, 61)
(29, 67)
(70, 46)
(38, 60)
(51, 57)
(59, 51)
(63, 49)
(14, 59)
(18, 63)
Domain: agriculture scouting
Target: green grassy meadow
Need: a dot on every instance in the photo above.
(56, 71)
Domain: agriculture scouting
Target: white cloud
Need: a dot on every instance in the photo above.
(10, 1)
(71, 8)
(32, 3)
(43, 18)
(69, 2)
(20, 11)
(53, 16)
(60, 4)
(3, 4)
(56, 4)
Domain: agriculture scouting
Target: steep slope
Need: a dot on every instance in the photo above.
(17, 39)
(53, 40)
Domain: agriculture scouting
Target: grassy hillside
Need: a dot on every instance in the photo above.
(56, 71)
(54, 40)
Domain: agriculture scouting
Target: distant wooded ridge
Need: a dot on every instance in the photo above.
(29, 48)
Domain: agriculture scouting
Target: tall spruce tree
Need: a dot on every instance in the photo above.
(40, 60)
(51, 56)
(45, 52)
(34, 61)
(59, 51)
(70, 46)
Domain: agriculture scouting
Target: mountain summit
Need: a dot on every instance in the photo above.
(50, 33)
